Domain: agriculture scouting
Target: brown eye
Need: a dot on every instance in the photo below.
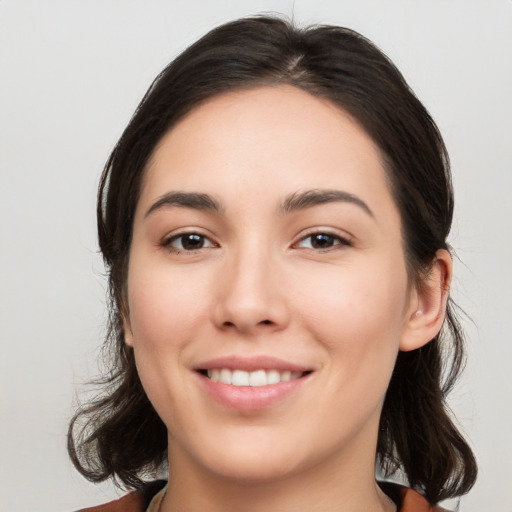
(189, 242)
(321, 241)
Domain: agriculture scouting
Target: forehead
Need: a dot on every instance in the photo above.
(263, 141)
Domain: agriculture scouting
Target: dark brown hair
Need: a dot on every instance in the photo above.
(119, 433)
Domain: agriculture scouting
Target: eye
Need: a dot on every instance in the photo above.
(188, 242)
(321, 241)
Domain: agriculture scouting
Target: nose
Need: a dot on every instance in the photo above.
(251, 298)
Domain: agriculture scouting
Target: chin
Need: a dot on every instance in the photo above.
(242, 459)
(253, 470)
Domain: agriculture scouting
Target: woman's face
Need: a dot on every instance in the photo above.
(267, 288)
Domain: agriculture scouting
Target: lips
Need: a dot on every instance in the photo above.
(251, 383)
(251, 364)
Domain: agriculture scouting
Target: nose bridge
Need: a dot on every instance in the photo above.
(250, 296)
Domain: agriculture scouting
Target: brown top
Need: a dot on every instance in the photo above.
(139, 501)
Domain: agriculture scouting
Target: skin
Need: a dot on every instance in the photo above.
(260, 286)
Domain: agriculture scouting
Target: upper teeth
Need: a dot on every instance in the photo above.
(257, 378)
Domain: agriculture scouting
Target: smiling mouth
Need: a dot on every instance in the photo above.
(256, 378)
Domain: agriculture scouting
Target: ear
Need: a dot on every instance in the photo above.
(428, 302)
(127, 330)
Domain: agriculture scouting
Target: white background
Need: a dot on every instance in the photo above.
(71, 74)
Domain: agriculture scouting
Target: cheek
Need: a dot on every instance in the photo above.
(166, 315)
(165, 306)
(357, 315)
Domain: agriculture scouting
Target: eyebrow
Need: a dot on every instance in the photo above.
(309, 198)
(294, 202)
(194, 200)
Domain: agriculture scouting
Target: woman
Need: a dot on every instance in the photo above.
(274, 221)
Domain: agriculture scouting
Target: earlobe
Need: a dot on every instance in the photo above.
(127, 331)
(428, 305)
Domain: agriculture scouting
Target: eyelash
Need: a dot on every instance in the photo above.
(337, 242)
(167, 243)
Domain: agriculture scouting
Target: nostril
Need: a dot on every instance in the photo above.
(266, 322)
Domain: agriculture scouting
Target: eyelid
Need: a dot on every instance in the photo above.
(168, 239)
(345, 240)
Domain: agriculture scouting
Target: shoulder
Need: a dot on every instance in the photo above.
(135, 501)
(132, 502)
(409, 500)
